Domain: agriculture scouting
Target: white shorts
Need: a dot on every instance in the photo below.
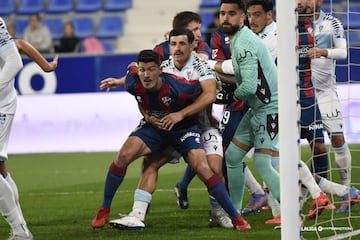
(330, 109)
(5, 127)
(212, 141)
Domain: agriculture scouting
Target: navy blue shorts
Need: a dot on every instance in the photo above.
(182, 140)
(311, 124)
(229, 123)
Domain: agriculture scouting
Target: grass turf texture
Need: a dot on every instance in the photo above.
(60, 194)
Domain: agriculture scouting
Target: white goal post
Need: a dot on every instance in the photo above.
(288, 118)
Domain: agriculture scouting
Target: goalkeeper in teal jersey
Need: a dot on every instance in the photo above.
(256, 77)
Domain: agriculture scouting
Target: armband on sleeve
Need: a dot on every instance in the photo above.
(227, 67)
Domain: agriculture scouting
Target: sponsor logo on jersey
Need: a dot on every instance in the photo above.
(166, 101)
(303, 51)
(313, 127)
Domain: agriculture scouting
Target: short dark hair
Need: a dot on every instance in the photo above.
(182, 31)
(182, 19)
(240, 3)
(147, 56)
(267, 5)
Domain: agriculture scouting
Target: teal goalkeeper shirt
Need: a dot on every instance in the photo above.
(255, 71)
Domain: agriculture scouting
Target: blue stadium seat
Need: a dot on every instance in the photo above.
(20, 24)
(83, 26)
(7, 7)
(207, 18)
(117, 5)
(329, 9)
(86, 6)
(110, 27)
(332, 1)
(28, 7)
(109, 46)
(351, 19)
(59, 6)
(209, 3)
(56, 27)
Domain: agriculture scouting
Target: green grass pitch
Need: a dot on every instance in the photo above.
(60, 194)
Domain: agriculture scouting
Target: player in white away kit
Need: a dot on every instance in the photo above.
(330, 45)
(10, 65)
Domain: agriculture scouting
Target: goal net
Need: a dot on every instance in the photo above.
(338, 222)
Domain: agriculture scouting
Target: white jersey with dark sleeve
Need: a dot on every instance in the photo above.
(269, 37)
(329, 34)
(195, 69)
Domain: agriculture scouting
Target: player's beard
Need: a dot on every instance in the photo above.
(229, 30)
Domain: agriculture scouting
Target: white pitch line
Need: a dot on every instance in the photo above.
(93, 192)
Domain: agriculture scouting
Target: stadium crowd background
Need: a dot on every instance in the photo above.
(125, 26)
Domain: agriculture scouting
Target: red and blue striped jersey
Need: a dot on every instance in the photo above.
(305, 42)
(220, 45)
(174, 94)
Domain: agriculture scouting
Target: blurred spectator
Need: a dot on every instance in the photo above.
(69, 42)
(92, 45)
(38, 35)
(212, 26)
(11, 30)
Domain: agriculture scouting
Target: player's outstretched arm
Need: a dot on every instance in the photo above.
(109, 83)
(26, 48)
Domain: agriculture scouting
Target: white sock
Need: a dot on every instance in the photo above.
(343, 162)
(15, 191)
(251, 183)
(308, 180)
(9, 209)
(213, 203)
(303, 191)
(333, 188)
(142, 200)
(274, 205)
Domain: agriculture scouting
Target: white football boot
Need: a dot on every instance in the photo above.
(219, 218)
(128, 222)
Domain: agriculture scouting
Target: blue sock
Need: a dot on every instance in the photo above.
(224, 171)
(217, 189)
(189, 174)
(320, 165)
(113, 180)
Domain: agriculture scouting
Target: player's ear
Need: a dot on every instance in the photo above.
(193, 45)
